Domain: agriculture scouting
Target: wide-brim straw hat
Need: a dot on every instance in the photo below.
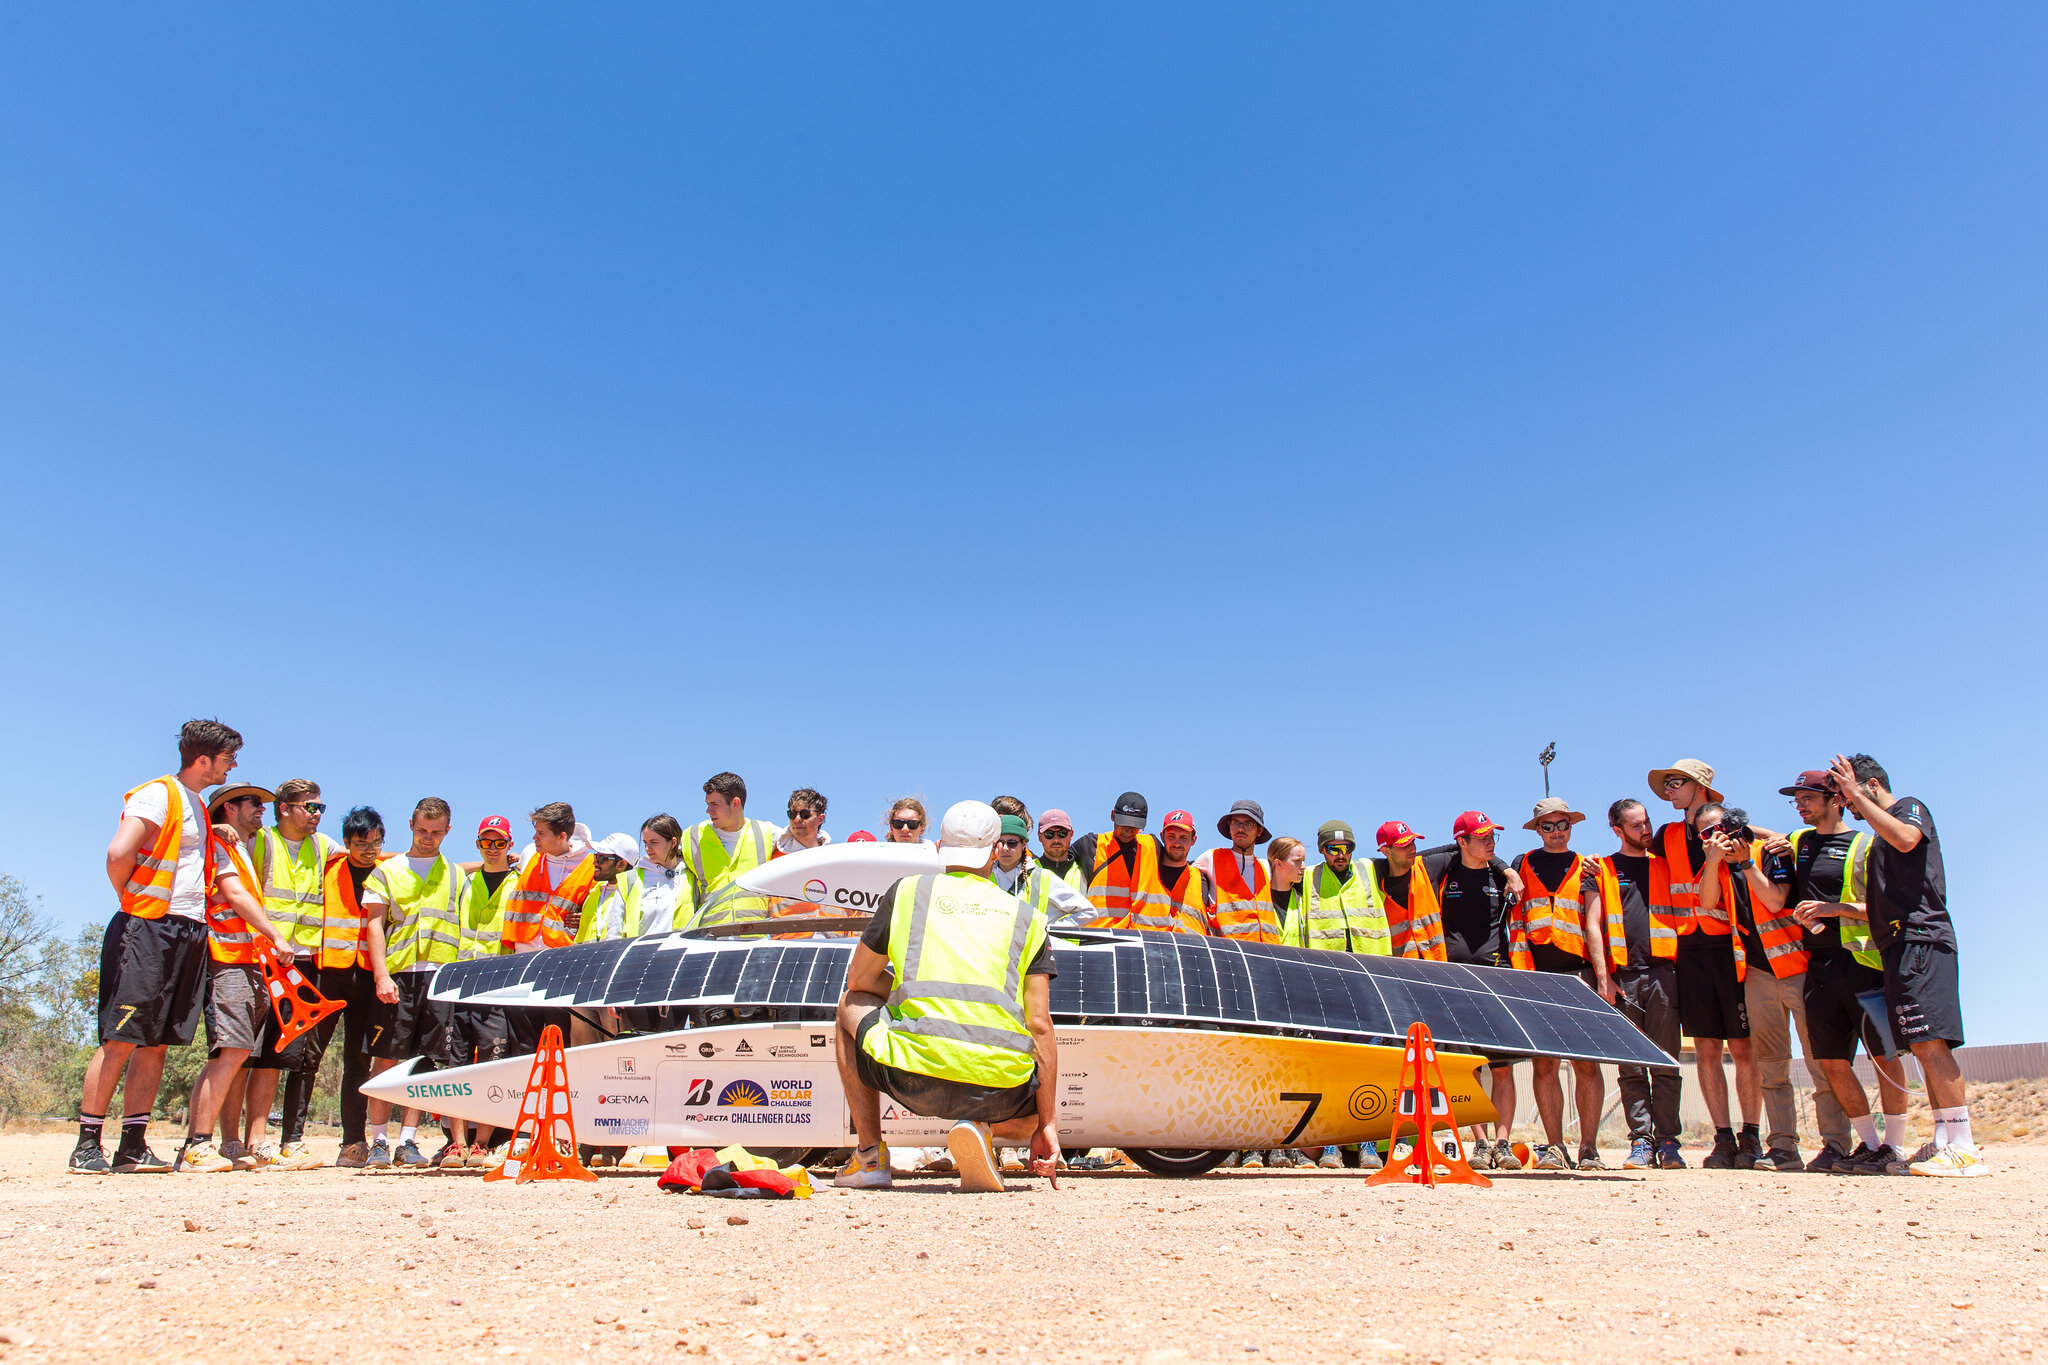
(1702, 773)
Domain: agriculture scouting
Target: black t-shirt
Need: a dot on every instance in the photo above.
(1694, 848)
(1475, 904)
(1433, 862)
(1283, 901)
(360, 875)
(1552, 866)
(1908, 893)
(1819, 873)
(491, 879)
(1633, 874)
(1059, 868)
(876, 935)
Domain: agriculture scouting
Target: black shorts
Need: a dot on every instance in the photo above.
(1835, 1019)
(477, 1033)
(412, 1025)
(1923, 994)
(1711, 1002)
(152, 980)
(935, 1097)
(351, 986)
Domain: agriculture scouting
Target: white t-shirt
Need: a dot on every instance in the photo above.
(788, 844)
(659, 890)
(188, 883)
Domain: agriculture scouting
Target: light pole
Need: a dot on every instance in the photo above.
(1549, 752)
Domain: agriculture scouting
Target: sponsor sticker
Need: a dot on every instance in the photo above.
(627, 1065)
(622, 1099)
(620, 1127)
(446, 1090)
(815, 891)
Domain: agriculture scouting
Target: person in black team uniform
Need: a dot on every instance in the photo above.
(1475, 890)
(1829, 865)
(1646, 989)
(1909, 922)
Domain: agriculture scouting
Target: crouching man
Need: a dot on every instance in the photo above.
(948, 1010)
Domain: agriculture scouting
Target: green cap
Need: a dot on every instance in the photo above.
(1014, 824)
(1335, 832)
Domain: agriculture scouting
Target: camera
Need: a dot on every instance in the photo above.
(1741, 834)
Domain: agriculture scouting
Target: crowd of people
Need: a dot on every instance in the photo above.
(1708, 927)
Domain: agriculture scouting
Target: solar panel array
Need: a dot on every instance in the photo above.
(1109, 978)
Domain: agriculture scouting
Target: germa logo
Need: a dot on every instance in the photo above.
(742, 1095)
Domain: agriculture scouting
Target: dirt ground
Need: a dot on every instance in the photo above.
(336, 1265)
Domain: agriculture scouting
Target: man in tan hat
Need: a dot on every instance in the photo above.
(1560, 924)
(240, 807)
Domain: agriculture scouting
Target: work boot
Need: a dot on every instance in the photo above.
(1642, 1155)
(1748, 1151)
(1668, 1156)
(1722, 1158)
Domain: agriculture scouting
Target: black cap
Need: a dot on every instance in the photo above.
(1129, 811)
(1251, 808)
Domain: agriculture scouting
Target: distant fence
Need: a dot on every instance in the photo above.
(2004, 1062)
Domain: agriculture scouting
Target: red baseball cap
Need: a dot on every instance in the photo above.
(1470, 823)
(496, 822)
(1180, 818)
(861, 836)
(1395, 833)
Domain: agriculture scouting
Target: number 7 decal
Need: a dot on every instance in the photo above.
(1313, 1102)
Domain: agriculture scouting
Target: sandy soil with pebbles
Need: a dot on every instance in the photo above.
(1286, 1265)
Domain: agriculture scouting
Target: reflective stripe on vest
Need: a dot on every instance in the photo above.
(699, 857)
(228, 936)
(1684, 885)
(1243, 911)
(148, 892)
(426, 913)
(533, 911)
(1417, 929)
(1544, 915)
(1113, 884)
(344, 928)
(1346, 917)
(483, 915)
(1855, 934)
(1174, 912)
(959, 945)
(1783, 940)
(293, 903)
(1666, 923)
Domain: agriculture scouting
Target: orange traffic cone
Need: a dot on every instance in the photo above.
(1425, 1106)
(545, 1120)
(299, 1005)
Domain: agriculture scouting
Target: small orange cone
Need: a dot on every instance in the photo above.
(1425, 1106)
(298, 1004)
(545, 1118)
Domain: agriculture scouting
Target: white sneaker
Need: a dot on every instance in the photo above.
(974, 1152)
(1951, 1161)
(202, 1156)
(872, 1174)
(297, 1156)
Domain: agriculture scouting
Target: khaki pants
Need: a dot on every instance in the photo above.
(1776, 1005)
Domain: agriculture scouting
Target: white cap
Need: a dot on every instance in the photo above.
(621, 846)
(967, 836)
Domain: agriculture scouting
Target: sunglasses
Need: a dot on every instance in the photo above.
(1671, 782)
(1553, 826)
(1056, 832)
(493, 843)
(312, 807)
(1008, 842)
(906, 824)
(805, 814)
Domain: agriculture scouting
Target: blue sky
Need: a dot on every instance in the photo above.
(1329, 405)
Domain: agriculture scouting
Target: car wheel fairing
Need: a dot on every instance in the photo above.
(1161, 1161)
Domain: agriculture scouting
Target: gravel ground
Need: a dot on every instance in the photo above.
(1285, 1265)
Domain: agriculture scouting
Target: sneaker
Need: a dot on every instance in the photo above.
(195, 1157)
(380, 1154)
(1748, 1151)
(440, 1158)
(355, 1155)
(1504, 1158)
(141, 1161)
(299, 1156)
(1879, 1162)
(237, 1154)
(1904, 1165)
(1549, 1158)
(1780, 1160)
(409, 1154)
(1589, 1159)
(1722, 1158)
(942, 1164)
(1668, 1158)
(1369, 1157)
(1331, 1160)
(263, 1155)
(603, 1157)
(1826, 1159)
(974, 1152)
(1848, 1165)
(480, 1156)
(1229, 1163)
(1479, 1156)
(453, 1156)
(1642, 1155)
(88, 1159)
(1401, 1151)
(1094, 1163)
(1253, 1161)
(1952, 1161)
(872, 1174)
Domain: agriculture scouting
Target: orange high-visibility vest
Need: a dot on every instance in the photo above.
(344, 925)
(1783, 939)
(228, 936)
(1418, 929)
(1243, 912)
(1558, 917)
(1179, 912)
(1112, 885)
(1664, 923)
(148, 892)
(1682, 885)
(533, 910)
